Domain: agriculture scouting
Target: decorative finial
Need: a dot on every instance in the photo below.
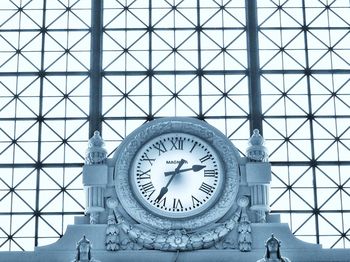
(96, 152)
(256, 151)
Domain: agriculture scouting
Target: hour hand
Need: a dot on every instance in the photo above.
(194, 168)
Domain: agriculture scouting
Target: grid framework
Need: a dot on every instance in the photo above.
(68, 68)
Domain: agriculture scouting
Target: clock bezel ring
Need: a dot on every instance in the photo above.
(123, 159)
(192, 211)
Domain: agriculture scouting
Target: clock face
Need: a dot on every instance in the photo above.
(176, 175)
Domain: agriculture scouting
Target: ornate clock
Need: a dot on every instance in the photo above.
(176, 173)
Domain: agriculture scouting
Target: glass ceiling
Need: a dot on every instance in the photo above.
(69, 67)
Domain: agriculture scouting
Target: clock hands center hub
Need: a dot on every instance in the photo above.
(164, 190)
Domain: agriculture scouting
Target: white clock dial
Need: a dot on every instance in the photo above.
(177, 175)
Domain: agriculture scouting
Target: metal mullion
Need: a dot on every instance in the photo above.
(176, 29)
(297, 194)
(24, 201)
(308, 163)
(299, 211)
(150, 21)
(167, 102)
(72, 181)
(175, 72)
(279, 146)
(96, 67)
(160, 62)
(145, 118)
(216, 102)
(49, 202)
(313, 161)
(253, 66)
(290, 143)
(40, 122)
(211, 16)
(75, 200)
(36, 73)
(58, 17)
(42, 213)
(74, 103)
(51, 225)
(184, 104)
(229, 136)
(330, 223)
(36, 118)
(52, 179)
(296, 230)
(217, 55)
(76, 87)
(279, 197)
(276, 54)
(73, 13)
(70, 54)
(316, 17)
(58, 58)
(199, 72)
(230, 55)
(302, 116)
(177, 10)
(339, 56)
(150, 62)
(310, 71)
(233, 102)
(309, 27)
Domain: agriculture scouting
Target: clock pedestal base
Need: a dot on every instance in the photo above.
(64, 249)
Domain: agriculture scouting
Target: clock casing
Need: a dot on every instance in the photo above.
(192, 190)
(141, 165)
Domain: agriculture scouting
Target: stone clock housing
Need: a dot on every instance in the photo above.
(177, 184)
(192, 161)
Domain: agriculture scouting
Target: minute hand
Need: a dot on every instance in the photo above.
(194, 168)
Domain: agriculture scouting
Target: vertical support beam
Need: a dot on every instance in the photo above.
(253, 66)
(199, 69)
(311, 121)
(40, 124)
(96, 67)
(150, 63)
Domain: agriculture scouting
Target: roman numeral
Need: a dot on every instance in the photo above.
(195, 201)
(204, 158)
(208, 189)
(145, 157)
(148, 187)
(162, 202)
(160, 146)
(178, 144)
(144, 175)
(177, 204)
(195, 144)
(209, 173)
